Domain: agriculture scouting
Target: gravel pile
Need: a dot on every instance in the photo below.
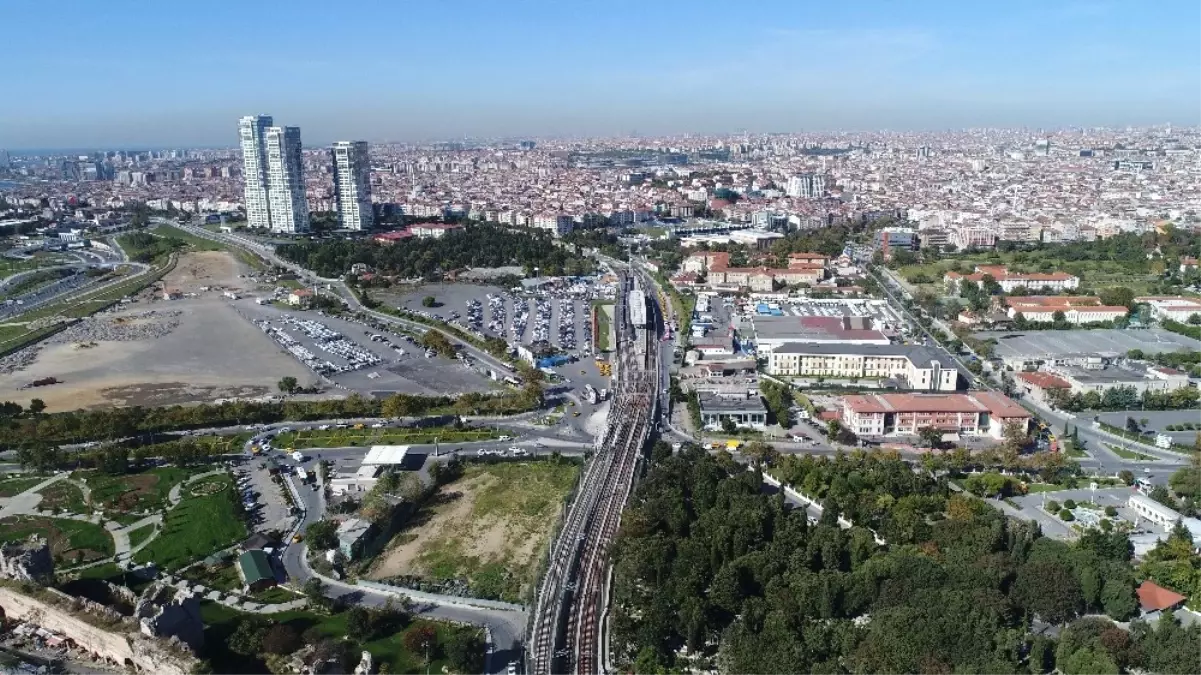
(147, 325)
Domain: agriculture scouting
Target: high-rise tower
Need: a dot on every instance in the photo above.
(252, 131)
(285, 181)
(352, 185)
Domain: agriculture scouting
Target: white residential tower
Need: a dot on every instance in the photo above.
(252, 130)
(285, 181)
(352, 185)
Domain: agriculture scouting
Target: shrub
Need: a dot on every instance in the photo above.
(1111, 512)
(1066, 516)
(1069, 503)
(1053, 506)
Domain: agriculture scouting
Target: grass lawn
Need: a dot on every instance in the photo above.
(223, 577)
(276, 595)
(602, 325)
(337, 438)
(140, 535)
(221, 621)
(142, 492)
(1129, 454)
(1034, 488)
(200, 525)
(11, 487)
(197, 243)
(487, 529)
(71, 541)
(64, 496)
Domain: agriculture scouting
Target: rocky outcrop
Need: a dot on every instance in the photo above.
(366, 665)
(165, 611)
(28, 561)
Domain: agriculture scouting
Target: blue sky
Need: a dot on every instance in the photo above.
(87, 73)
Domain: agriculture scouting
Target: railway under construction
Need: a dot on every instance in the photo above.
(570, 608)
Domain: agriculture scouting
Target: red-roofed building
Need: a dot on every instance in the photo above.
(1187, 263)
(801, 260)
(1055, 281)
(685, 280)
(389, 238)
(1038, 384)
(1077, 309)
(1153, 598)
(976, 414)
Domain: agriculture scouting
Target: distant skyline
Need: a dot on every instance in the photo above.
(125, 73)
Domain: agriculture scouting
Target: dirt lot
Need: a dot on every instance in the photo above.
(486, 529)
(208, 352)
(216, 269)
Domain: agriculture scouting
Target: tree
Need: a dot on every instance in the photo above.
(832, 429)
(429, 301)
(359, 623)
(1132, 425)
(322, 535)
(1050, 589)
(314, 590)
(288, 384)
(465, 651)
(728, 425)
(1015, 436)
(762, 454)
(421, 639)
(931, 437)
(247, 638)
(36, 406)
(1126, 476)
(281, 639)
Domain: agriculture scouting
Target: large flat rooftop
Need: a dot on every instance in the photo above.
(1100, 341)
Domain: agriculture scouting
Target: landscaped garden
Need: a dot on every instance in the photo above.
(339, 438)
(209, 520)
(140, 492)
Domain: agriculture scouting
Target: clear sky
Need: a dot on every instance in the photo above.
(91, 73)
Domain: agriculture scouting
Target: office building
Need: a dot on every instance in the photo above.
(907, 366)
(352, 185)
(252, 131)
(289, 207)
(5, 161)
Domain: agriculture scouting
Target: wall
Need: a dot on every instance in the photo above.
(121, 648)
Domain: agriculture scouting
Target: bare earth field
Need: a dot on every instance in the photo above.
(207, 352)
(486, 529)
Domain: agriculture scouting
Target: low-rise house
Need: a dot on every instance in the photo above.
(254, 567)
(744, 410)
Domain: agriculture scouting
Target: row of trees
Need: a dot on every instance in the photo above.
(778, 398)
(477, 245)
(119, 423)
(1124, 398)
(708, 561)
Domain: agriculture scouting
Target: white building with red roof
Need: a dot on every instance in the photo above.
(975, 414)
(1054, 281)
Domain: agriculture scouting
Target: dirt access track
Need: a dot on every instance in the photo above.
(210, 352)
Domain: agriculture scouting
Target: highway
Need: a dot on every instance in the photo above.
(566, 630)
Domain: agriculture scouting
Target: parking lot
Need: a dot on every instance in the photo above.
(1101, 341)
(265, 506)
(372, 358)
(556, 317)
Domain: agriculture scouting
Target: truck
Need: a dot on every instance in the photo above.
(302, 474)
(591, 394)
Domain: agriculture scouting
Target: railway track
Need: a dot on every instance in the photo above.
(566, 628)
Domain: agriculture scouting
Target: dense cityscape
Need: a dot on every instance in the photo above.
(539, 338)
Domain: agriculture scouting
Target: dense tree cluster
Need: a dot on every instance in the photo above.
(478, 245)
(145, 247)
(705, 560)
(778, 398)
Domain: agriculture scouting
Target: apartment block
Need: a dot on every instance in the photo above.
(974, 414)
(918, 368)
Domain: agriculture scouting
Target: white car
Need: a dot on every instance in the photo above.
(377, 425)
(504, 438)
(513, 450)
